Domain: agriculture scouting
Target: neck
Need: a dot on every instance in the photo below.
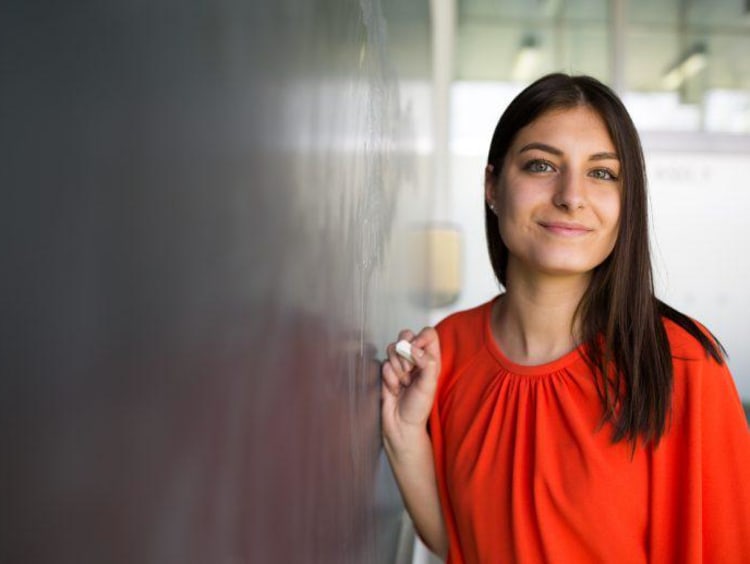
(534, 320)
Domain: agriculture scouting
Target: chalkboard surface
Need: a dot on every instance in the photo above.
(197, 207)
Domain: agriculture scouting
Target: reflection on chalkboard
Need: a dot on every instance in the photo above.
(199, 202)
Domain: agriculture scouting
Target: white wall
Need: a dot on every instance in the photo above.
(700, 209)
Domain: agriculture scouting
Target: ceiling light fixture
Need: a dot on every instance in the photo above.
(526, 60)
(692, 62)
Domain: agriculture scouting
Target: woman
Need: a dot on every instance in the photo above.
(575, 417)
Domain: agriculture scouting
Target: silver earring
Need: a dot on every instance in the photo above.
(492, 207)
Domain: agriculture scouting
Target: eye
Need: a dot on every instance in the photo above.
(538, 165)
(603, 174)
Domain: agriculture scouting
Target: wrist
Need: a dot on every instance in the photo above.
(408, 442)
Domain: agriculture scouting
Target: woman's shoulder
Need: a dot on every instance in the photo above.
(684, 344)
(463, 336)
(467, 315)
(704, 389)
(694, 365)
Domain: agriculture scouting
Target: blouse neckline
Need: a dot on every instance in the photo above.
(523, 369)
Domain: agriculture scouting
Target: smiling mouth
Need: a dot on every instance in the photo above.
(565, 229)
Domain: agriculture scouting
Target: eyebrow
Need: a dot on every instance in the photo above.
(603, 156)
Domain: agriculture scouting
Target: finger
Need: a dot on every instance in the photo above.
(390, 379)
(395, 360)
(425, 336)
(405, 335)
(403, 364)
(418, 354)
(428, 340)
(387, 397)
(427, 363)
(406, 366)
(393, 357)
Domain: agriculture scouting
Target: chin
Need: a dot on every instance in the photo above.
(559, 262)
(567, 267)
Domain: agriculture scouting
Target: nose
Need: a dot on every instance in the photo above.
(570, 192)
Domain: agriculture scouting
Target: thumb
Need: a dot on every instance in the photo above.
(428, 365)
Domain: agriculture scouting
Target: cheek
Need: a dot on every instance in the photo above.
(610, 215)
(609, 209)
(517, 202)
(615, 214)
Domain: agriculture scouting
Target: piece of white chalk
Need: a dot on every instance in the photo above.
(403, 348)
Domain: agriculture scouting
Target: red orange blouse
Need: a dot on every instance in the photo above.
(526, 474)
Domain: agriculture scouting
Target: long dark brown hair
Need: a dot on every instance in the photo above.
(620, 317)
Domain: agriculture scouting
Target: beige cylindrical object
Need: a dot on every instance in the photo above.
(437, 280)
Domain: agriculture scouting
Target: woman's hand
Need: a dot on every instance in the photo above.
(408, 389)
(408, 392)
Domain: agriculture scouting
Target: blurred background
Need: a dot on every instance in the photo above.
(681, 69)
(216, 215)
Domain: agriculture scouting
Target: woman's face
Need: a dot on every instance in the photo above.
(558, 197)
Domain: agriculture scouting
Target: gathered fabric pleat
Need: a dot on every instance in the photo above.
(527, 472)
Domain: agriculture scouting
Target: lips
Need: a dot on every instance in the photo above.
(565, 229)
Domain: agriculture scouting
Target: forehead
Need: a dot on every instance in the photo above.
(579, 125)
